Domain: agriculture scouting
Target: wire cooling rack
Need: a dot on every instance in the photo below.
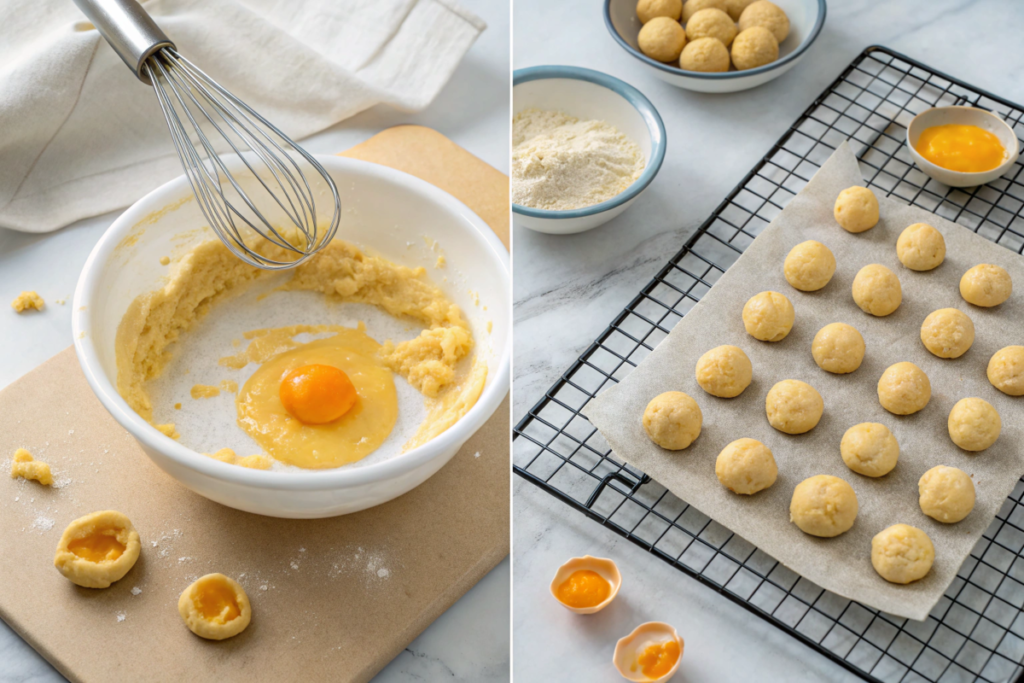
(976, 632)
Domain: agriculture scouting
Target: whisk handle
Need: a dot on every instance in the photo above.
(129, 29)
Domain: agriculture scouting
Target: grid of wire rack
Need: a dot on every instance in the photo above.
(976, 632)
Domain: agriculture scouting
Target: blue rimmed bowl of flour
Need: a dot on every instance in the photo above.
(585, 145)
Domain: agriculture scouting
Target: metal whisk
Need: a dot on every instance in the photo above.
(203, 118)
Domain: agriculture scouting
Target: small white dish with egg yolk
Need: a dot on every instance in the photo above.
(962, 116)
(386, 213)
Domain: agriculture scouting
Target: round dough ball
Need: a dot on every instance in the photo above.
(711, 23)
(706, 55)
(735, 8)
(746, 466)
(215, 607)
(877, 290)
(986, 285)
(838, 348)
(870, 449)
(904, 389)
(974, 424)
(691, 7)
(768, 15)
(753, 48)
(662, 39)
(724, 371)
(652, 9)
(921, 247)
(673, 420)
(793, 407)
(823, 506)
(902, 553)
(947, 333)
(809, 266)
(98, 549)
(768, 316)
(856, 209)
(946, 494)
(1006, 370)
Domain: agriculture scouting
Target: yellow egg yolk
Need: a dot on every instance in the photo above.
(584, 588)
(968, 149)
(657, 660)
(215, 599)
(97, 547)
(317, 394)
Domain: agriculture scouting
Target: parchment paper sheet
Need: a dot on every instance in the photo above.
(843, 564)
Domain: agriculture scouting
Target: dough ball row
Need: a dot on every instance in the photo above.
(717, 33)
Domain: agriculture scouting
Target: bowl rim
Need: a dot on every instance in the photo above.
(928, 166)
(647, 111)
(819, 23)
(313, 480)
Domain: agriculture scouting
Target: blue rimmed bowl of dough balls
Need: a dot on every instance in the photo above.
(585, 145)
(715, 46)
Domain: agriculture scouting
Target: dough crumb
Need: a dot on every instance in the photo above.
(27, 467)
(169, 430)
(28, 301)
(164, 260)
(204, 391)
(441, 262)
(255, 462)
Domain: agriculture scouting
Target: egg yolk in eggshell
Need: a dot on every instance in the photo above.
(967, 149)
(656, 660)
(584, 588)
(317, 394)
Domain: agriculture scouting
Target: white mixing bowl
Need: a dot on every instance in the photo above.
(383, 210)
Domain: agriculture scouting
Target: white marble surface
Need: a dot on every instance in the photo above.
(470, 641)
(567, 289)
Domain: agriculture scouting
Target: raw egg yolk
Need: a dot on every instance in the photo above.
(97, 547)
(317, 394)
(584, 588)
(657, 660)
(968, 149)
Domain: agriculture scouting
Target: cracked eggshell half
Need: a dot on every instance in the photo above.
(603, 567)
(628, 649)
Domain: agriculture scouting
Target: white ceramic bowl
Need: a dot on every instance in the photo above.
(968, 116)
(589, 94)
(384, 210)
(806, 17)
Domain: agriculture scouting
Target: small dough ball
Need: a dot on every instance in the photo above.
(706, 55)
(735, 8)
(986, 285)
(691, 7)
(856, 209)
(652, 9)
(662, 39)
(902, 553)
(793, 407)
(921, 247)
(711, 23)
(673, 420)
(870, 449)
(746, 466)
(96, 550)
(724, 371)
(809, 266)
(947, 333)
(838, 348)
(754, 47)
(823, 506)
(215, 607)
(974, 424)
(946, 494)
(768, 316)
(768, 15)
(1006, 370)
(877, 290)
(904, 389)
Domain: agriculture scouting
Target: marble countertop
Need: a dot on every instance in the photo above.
(568, 288)
(470, 641)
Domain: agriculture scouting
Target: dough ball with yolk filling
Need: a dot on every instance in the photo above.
(856, 209)
(902, 553)
(754, 47)
(946, 494)
(904, 389)
(793, 407)
(838, 348)
(870, 449)
(768, 316)
(706, 55)
(98, 549)
(711, 23)
(673, 420)
(947, 333)
(986, 285)
(823, 506)
(317, 394)
(877, 290)
(215, 607)
(1006, 370)
(724, 371)
(809, 266)
(662, 39)
(766, 14)
(921, 247)
(691, 7)
(652, 9)
(974, 424)
(746, 466)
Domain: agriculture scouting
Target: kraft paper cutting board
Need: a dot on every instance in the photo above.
(333, 599)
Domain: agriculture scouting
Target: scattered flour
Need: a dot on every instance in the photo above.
(43, 523)
(121, 616)
(136, 590)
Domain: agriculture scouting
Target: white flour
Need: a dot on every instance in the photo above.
(561, 163)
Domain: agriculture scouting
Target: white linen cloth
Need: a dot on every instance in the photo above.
(81, 136)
